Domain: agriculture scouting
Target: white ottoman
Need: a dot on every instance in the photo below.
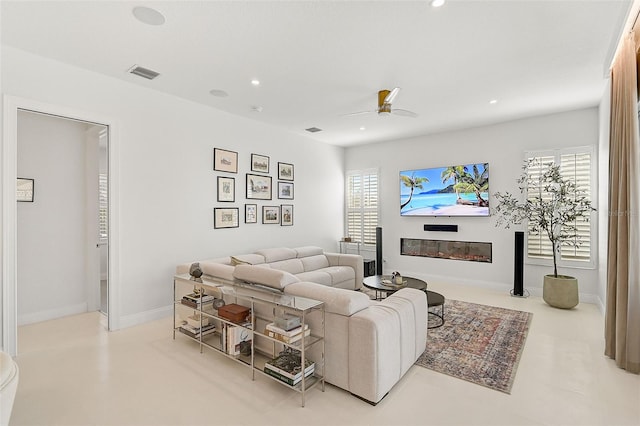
(8, 386)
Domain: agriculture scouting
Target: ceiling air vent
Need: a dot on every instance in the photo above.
(313, 130)
(143, 72)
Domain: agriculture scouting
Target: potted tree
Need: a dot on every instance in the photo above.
(553, 207)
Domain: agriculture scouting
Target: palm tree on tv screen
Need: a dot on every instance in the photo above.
(476, 183)
(412, 182)
(455, 173)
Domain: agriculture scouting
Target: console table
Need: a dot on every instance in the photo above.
(264, 307)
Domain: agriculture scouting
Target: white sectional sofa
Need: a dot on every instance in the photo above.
(369, 345)
(304, 263)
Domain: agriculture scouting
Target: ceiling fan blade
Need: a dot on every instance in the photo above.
(392, 95)
(357, 113)
(404, 113)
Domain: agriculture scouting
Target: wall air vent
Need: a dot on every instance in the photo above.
(143, 72)
(313, 130)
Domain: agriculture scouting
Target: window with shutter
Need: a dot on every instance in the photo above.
(362, 205)
(576, 164)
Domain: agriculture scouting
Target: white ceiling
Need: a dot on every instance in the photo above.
(318, 60)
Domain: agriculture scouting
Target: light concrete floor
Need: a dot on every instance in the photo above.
(73, 372)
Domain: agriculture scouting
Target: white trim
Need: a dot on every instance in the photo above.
(64, 311)
(11, 105)
(146, 316)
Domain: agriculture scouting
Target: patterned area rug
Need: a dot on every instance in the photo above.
(478, 343)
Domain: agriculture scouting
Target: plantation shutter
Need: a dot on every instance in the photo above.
(539, 245)
(362, 205)
(103, 222)
(575, 166)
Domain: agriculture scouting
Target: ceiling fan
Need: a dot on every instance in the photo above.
(385, 99)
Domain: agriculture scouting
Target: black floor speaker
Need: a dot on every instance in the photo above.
(379, 251)
(518, 264)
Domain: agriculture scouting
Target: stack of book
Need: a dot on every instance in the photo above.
(236, 339)
(287, 336)
(287, 367)
(196, 332)
(196, 300)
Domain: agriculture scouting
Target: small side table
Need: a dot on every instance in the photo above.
(433, 301)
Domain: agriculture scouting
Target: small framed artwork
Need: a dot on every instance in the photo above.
(285, 171)
(226, 189)
(271, 214)
(24, 190)
(285, 190)
(225, 161)
(286, 213)
(250, 213)
(258, 187)
(225, 217)
(259, 163)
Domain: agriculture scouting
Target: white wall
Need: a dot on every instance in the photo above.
(502, 146)
(51, 230)
(167, 184)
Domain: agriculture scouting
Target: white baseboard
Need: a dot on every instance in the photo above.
(52, 314)
(146, 316)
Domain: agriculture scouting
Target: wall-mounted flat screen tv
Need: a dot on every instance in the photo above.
(445, 191)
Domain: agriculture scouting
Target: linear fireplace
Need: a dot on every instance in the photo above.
(446, 249)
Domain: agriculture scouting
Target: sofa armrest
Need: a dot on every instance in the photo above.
(336, 300)
(353, 260)
(273, 278)
(385, 341)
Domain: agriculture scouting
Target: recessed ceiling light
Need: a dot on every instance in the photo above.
(313, 130)
(437, 3)
(363, 128)
(255, 82)
(218, 93)
(148, 16)
(493, 101)
(256, 108)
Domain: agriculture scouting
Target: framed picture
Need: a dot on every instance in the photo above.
(285, 190)
(24, 190)
(225, 161)
(226, 189)
(258, 187)
(225, 217)
(250, 213)
(271, 214)
(286, 212)
(259, 163)
(285, 171)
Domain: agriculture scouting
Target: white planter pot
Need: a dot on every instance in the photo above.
(561, 291)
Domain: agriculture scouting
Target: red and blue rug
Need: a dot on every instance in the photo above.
(478, 343)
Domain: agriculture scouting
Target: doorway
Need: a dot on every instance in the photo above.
(62, 231)
(13, 106)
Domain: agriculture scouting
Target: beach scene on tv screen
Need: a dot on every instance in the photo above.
(445, 191)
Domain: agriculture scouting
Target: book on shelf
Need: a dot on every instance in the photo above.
(287, 339)
(289, 333)
(236, 335)
(289, 365)
(283, 378)
(197, 332)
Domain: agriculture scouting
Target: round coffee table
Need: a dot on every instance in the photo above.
(434, 300)
(374, 282)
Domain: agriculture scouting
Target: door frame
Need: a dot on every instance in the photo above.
(11, 105)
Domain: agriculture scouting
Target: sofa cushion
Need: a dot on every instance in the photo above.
(266, 276)
(340, 273)
(308, 251)
(311, 263)
(276, 254)
(337, 300)
(319, 276)
(293, 266)
(218, 270)
(246, 259)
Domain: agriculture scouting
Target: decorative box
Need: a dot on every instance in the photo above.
(234, 312)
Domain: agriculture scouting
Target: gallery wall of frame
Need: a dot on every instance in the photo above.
(258, 191)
